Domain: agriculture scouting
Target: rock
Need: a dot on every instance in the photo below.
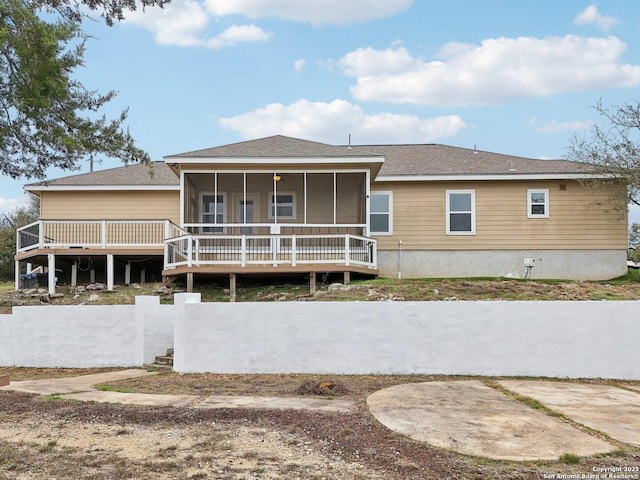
(338, 287)
(94, 297)
(96, 286)
(162, 290)
(135, 285)
(56, 295)
(80, 289)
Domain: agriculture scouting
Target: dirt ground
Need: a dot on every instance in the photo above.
(295, 289)
(45, 438)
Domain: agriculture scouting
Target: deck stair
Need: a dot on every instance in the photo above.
(164, 362)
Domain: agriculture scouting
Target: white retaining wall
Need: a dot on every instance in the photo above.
(86, 335)
(556, 339)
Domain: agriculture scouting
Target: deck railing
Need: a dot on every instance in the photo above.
(273, 250)
(94, 234)
(184, 248)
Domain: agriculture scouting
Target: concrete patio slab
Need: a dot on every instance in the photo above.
(609, 409)
(81, 383)
(279, 403)
(144, 399)
(471, 418)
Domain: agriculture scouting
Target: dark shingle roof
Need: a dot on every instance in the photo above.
(419, 160)
(155, 174)
(434, 159)
(277, 146)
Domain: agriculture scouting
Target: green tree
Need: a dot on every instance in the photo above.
(634, 242)
(613, 150)
(9, 223)
(47, 118)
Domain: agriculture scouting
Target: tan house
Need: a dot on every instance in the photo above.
(284, 205)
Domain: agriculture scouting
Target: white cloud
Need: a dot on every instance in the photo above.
(8, 205)
(298, 65)
(332, 122)
(183, 23)
(591, 16)
(316, 12)
(368, 61)
(553, 126)
(238, 34)
(499, 70)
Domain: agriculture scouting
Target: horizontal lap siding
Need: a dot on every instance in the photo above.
(579, 217)
(141, 205)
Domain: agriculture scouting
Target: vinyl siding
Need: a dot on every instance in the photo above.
(110, 205)
(579, 217)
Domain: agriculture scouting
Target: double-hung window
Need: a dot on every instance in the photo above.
(461, 212)
(381, 213)
(538, 203)
(212, 211)
(283, 205)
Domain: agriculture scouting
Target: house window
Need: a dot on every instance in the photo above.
(461, 216)
(212, 211)
(381, 213)
(538, 203)
(283, 204)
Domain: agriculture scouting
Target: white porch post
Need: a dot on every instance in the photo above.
(347, 252)
(367, 203)
(127, 273)
(294, 250)
(29, 267)
(104, 234)
(182, 194)
(110, 271)
(51, 261)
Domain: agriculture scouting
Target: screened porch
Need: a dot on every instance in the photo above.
(275, 203)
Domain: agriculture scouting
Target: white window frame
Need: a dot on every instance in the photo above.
(215, 214)
(448, 194)
(389, 213)
(294, 205)
(530, 204)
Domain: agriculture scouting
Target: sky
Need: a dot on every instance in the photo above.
(513, 77)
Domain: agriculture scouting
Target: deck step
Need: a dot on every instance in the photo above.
(164, 362)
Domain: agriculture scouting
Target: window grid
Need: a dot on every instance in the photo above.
(461, 217)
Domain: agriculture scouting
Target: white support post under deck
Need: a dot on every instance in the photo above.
(110, 274)
(51, 263)
(17, 276)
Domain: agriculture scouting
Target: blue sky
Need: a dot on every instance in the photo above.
(509, 77)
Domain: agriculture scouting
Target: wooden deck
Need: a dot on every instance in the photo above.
(268, 269)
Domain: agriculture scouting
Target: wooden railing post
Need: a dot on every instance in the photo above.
(104, 233)
(294, 250)
(243, 250)
(347, 253)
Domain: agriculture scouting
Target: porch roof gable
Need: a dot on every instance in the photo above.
(278, 149)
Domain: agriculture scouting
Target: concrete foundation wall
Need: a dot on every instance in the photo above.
(86, 335)
(562, 264)
(556, 339)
